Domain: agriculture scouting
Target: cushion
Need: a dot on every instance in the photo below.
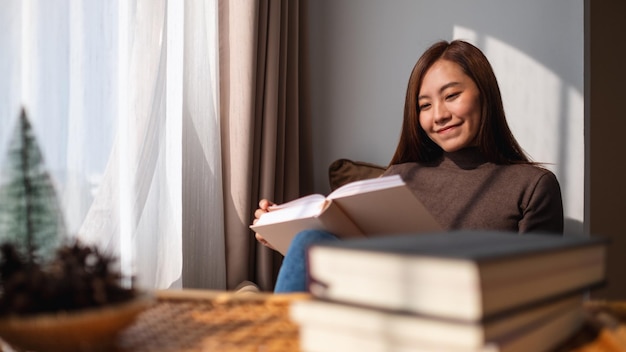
(342, 171)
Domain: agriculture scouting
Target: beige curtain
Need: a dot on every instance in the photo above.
(264, 123)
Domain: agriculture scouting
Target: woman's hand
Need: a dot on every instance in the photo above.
(264, 205)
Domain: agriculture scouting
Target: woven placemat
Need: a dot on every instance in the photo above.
(187, 321)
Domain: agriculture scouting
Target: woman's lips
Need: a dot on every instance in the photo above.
(446, 129)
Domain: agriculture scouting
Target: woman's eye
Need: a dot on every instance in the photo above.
(452, 96)
(423, 107)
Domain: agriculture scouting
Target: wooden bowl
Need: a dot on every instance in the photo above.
(91, 329)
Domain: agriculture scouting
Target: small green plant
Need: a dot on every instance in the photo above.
(30, 213)
(41, 270)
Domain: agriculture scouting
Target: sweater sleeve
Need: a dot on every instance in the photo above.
(544, 210)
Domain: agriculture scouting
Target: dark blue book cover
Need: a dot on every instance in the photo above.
(476, 245)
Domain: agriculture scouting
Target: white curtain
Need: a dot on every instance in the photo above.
(122, 97)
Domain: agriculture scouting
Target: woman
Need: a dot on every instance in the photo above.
(458, 155)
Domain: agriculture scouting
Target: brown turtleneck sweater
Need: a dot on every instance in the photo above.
(463, 191)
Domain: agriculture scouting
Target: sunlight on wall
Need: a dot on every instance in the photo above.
(531, 96)
(545, 115)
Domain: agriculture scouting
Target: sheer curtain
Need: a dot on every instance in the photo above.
(122, 97)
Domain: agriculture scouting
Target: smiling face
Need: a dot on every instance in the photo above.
(449, 106)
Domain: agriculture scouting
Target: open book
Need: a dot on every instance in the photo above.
(373, 207)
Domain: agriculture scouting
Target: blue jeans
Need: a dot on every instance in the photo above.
(292, 276)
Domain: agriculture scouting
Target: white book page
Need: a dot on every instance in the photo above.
(306, 206)
(368, 185)
(303, 201)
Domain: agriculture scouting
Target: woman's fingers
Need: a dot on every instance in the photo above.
(264, 204)
(258, 213)
(263, 241)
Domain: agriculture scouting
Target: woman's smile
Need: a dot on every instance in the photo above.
(448, 129)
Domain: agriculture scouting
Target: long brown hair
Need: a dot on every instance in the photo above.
(494, 140)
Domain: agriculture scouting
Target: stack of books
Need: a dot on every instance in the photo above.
(456, 291)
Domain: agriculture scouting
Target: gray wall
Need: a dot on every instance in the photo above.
(362, 52)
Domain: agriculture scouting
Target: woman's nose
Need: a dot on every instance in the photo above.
(442, 115)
